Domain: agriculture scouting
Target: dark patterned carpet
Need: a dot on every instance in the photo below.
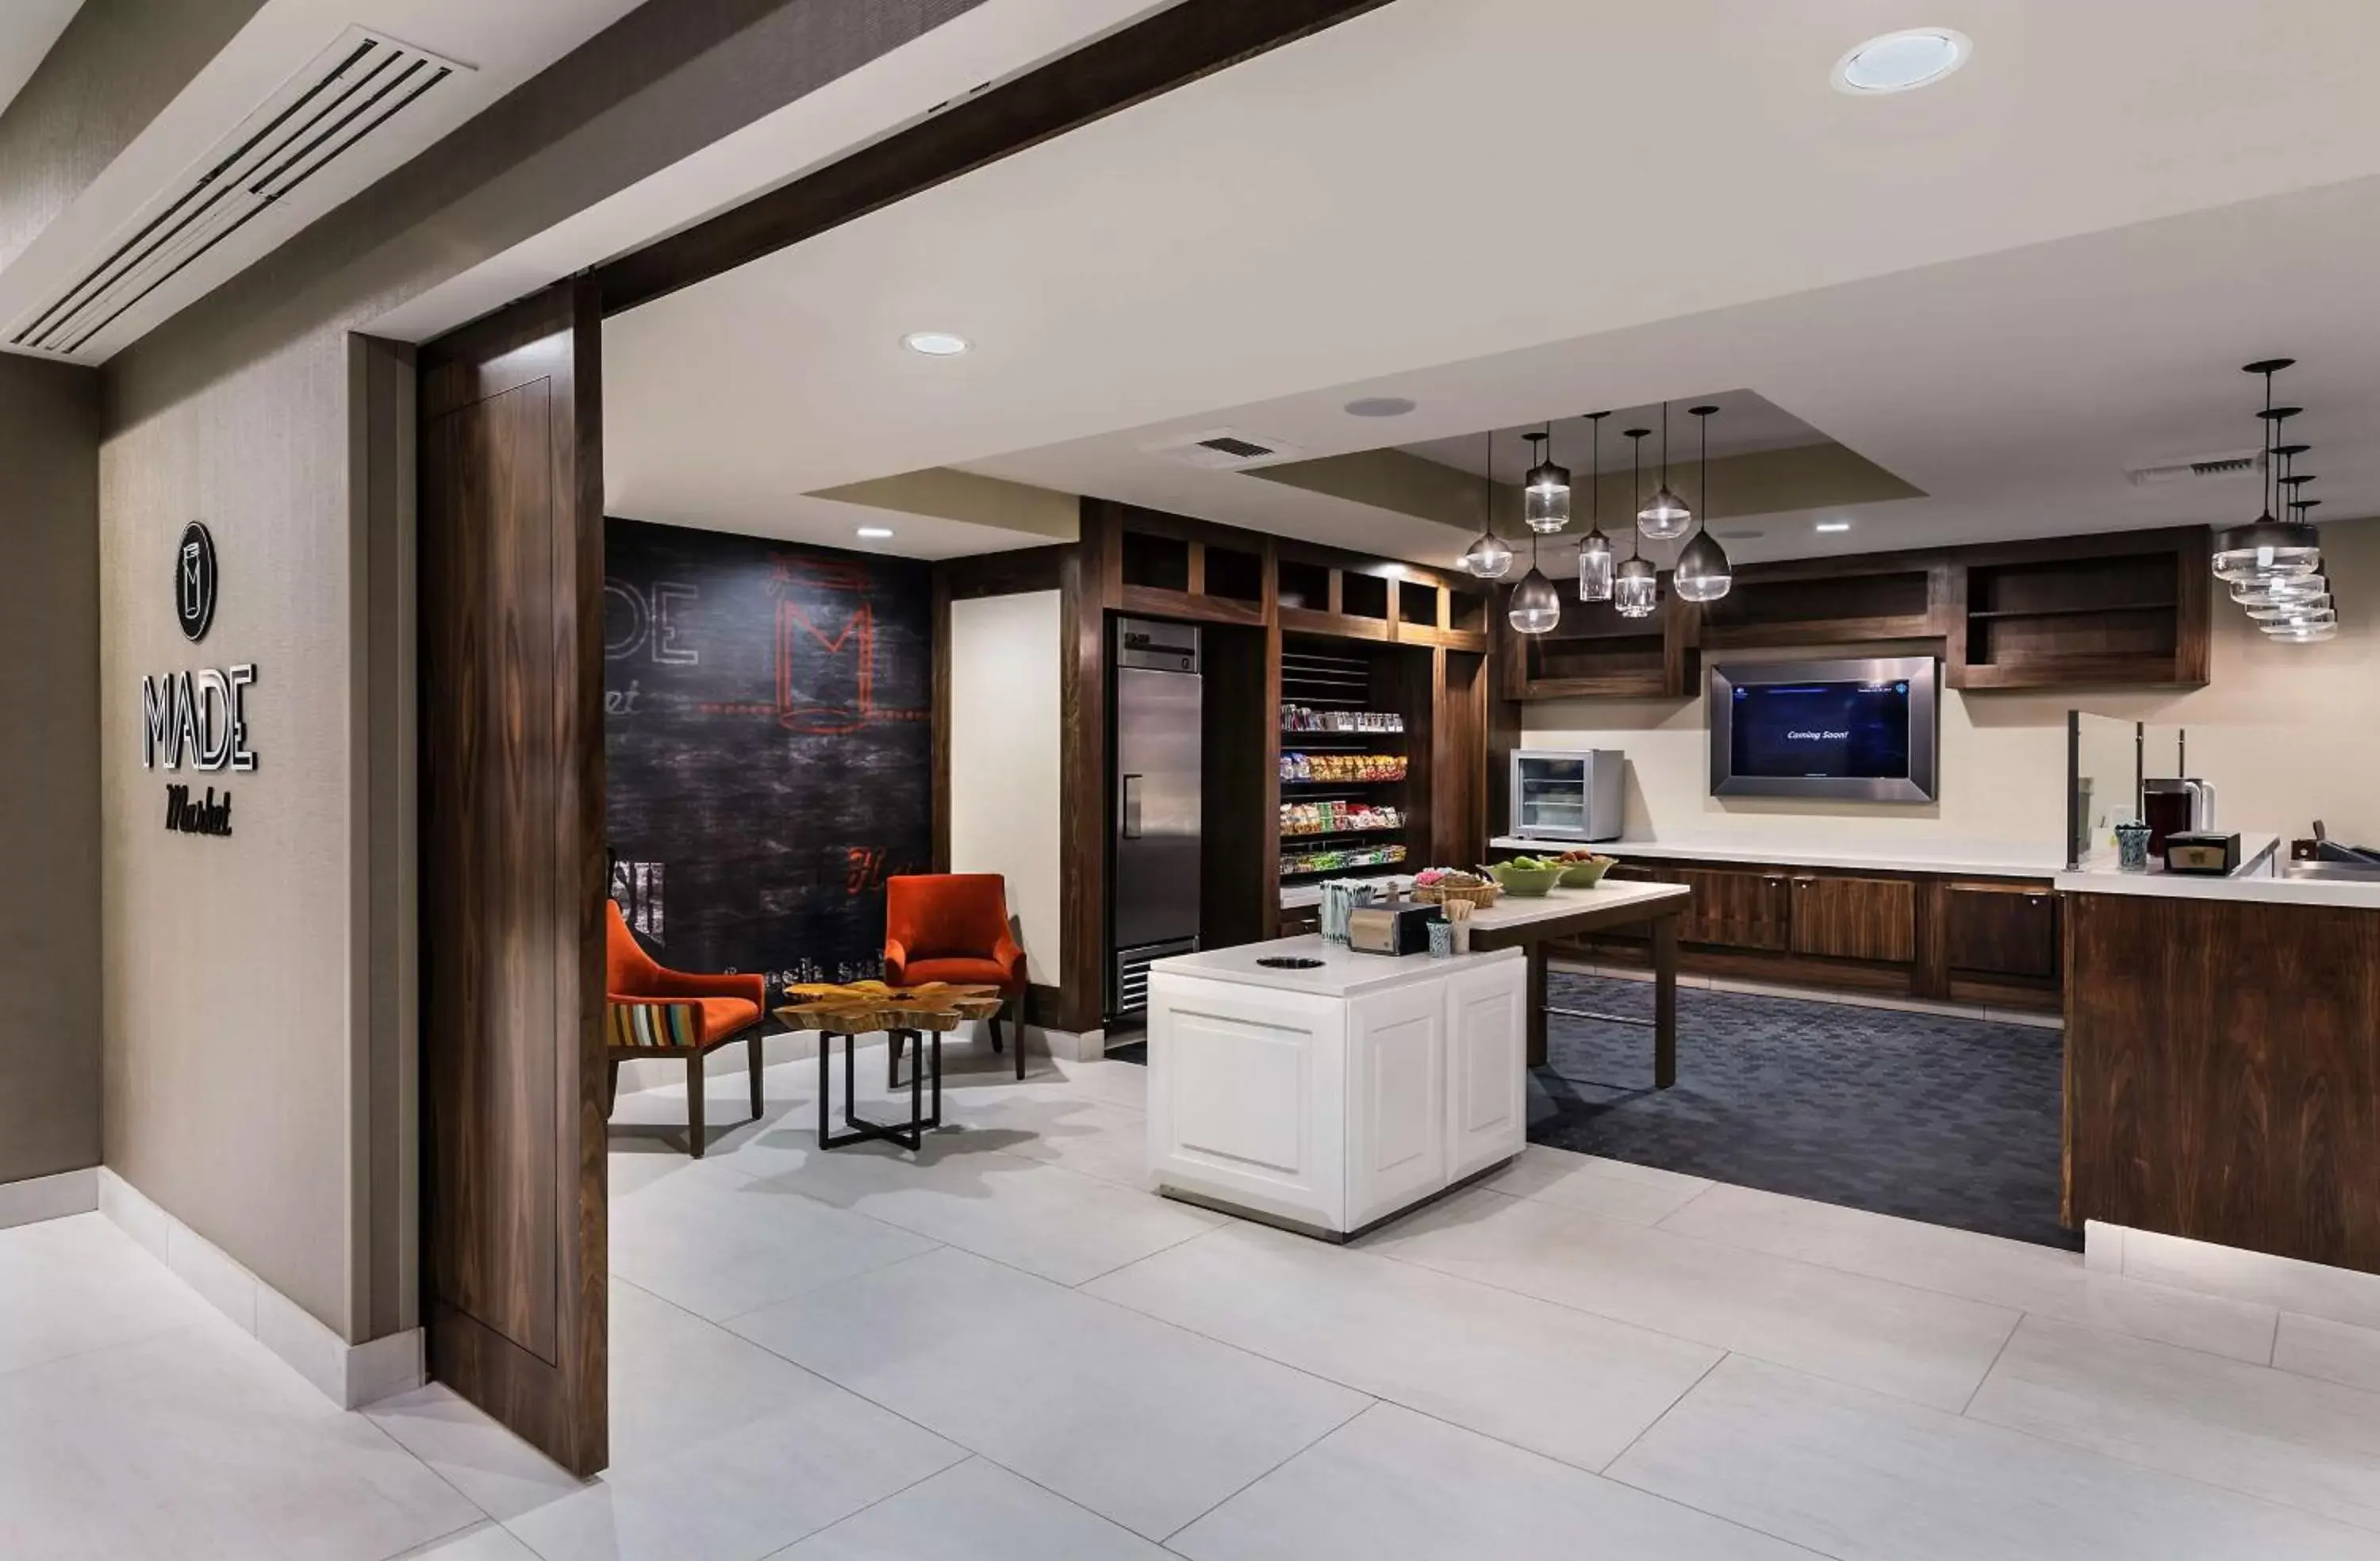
(1954, 1121)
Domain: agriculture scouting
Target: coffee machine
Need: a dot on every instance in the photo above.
(2174, 807)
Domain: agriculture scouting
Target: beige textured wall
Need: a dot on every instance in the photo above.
(49, 767)
(2288, 733)
(1006, 741)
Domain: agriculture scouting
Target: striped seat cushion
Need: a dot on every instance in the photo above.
(656, 1025)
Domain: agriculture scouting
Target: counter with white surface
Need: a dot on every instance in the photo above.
(2265, 877)
(1331, 1097)
(1974, 859)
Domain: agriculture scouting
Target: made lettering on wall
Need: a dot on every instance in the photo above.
(766, 710)
(197, 718)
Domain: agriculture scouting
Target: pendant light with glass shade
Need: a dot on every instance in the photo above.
(1702, 573)
(2267, 549)
(1595, 556)
(1488, 556)
(1535, 607)
(1544, 493)
(2300, 616)
(1637, 585)
(1667, 518)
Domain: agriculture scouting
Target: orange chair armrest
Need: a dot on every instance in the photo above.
(896, 961)
(1011, 958)
(681, 984)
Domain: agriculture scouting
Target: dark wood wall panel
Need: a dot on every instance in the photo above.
(2223, 1072)
(512, 776)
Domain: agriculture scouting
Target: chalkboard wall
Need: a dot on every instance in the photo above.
(766, 724)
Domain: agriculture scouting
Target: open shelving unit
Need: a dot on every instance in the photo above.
(1387, 686)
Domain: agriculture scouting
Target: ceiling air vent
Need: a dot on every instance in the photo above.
(1225, 450)
(328, 115)
(2236, 463)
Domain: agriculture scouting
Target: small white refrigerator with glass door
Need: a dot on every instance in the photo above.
(1576, 794)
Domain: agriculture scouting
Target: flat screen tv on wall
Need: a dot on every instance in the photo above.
(1862, 730)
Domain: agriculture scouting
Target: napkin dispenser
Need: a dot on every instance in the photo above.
(1390, 929)
(2202, 850)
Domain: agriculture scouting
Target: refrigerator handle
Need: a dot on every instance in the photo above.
(1131, 808)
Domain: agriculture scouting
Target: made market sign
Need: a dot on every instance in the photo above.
(197, 718)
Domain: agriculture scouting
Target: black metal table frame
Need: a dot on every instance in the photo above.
(910, 1135)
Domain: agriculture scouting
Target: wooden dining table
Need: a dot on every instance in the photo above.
(1532, 922)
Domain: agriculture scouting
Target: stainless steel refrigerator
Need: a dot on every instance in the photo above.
(1154, 805)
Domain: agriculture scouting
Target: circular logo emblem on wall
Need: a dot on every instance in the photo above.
(194, 582)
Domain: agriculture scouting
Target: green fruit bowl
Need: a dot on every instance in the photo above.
(1586, 874)
(1526, 882)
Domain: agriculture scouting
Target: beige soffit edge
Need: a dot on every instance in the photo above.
(946, 493)
(1807, 477)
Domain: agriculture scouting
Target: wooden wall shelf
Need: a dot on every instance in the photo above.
(2122, 610)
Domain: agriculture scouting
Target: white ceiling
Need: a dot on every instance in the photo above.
(1744, 422)
(504, 44)
(2004, 289)
(28, 28)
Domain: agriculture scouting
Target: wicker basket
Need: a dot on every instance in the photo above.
(1480, 896)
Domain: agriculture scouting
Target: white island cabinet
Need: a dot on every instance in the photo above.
(1328, 1099)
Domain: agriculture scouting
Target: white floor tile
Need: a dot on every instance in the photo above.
(1988, 1268)
(1918, 1344)
(719, 1243)
(488, 1541)
(1614, 1188)
(68, 1285)
(1026, 1212)
(1085, 1134)
(2339, 1294)
(977, 1511)
(718, 1449)
(1864, 1477)
(2313, 1444)
(198, 1443)
(1395, 1485)
(1566, 1383)
(1139, 1421)
(2337, 1351)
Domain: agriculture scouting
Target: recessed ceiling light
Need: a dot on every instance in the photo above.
(1834, 525)
(876, 533)
(1742, 536)
(1900, 61)
(1392, 569)
(1379, 407)
(936, 344)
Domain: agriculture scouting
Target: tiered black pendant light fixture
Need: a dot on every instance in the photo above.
(1703, 573)
(1488, 556)
(2267, 549)
(1545, 497)
(1667, 518)
(2273, 566)
(1595, 555)
(1637, 585)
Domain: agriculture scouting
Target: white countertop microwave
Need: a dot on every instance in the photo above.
(1568, 794)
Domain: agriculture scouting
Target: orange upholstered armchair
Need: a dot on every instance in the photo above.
(953, 927)
(654, 1011)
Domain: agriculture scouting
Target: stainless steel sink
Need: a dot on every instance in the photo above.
(2335, 872)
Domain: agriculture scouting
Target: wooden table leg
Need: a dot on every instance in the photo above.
(1665, 1001)
(1535, 1001)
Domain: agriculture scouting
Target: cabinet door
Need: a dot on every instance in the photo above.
(1486, 1069)
(1855, 918)
(2003, 929)
(1734, 907)
(1396, 1099)
(1246, 1091)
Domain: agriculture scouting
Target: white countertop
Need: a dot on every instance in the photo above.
(2260, 878)
(1342, 973)
(1973, 859)
(1518, 910)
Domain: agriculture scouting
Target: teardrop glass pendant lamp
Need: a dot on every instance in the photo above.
(1596, 559)
(1703, 572)
(1535, 607)
(1488, 556)
(1667, 516)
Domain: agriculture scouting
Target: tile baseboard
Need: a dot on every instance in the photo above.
(2312, 1289)
(350, 1376)
(49, 1197)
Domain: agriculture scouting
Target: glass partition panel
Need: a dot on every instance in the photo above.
(2103, 781)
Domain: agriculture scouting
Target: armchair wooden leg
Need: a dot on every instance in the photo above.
(1020, 1035)
(752, 1045)
(892, 1060)
(694, 1103)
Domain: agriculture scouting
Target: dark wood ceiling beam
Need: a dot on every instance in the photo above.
(1154, 56)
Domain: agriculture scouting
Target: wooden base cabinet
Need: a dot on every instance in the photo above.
(1330, 1114)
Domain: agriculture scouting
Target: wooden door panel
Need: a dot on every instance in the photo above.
(1733, 907)
(512, 883)
(2002, 929)
(1855, 918)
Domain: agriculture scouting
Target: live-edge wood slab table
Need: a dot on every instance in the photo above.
(1529, 923)
(862, 1007)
